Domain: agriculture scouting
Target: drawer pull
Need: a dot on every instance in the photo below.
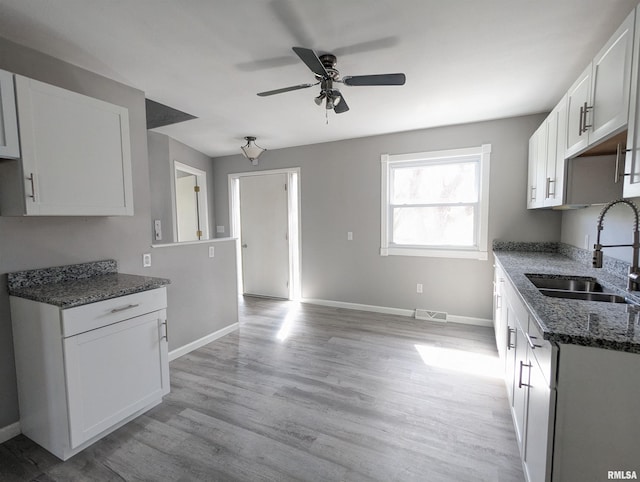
(531, 343)
(124, 308)
(510, 331)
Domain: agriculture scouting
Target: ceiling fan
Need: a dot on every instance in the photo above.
(324, 69)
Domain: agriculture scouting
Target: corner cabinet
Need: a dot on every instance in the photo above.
(85, 371)
(75, 155)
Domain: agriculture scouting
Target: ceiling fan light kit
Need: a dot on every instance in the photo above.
(324, 69)
(251, 150)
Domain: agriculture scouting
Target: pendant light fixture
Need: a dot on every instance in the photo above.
(251, 150)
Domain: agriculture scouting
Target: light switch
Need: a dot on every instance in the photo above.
(349, 236)
(157, 229)
(220, 229)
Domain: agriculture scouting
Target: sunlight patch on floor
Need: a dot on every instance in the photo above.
(461, 361)
(289, 322)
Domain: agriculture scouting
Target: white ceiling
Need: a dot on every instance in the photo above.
(465, 60)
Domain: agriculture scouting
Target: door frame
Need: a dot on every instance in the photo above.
(294, 223)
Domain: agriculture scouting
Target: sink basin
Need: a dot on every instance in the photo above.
(566, 283)
(574, 288)
(584, 295)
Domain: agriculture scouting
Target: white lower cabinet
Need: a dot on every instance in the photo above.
(85, 371)
(528, 380)
(574, 408)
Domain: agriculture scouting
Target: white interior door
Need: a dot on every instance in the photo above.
(264, 221)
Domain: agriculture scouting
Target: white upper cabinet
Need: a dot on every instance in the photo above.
(9, 143)
(577, 96)
(76, 155)
(554, 178)
(546, 160)
(598, 102)
(537, 149)
(631, 172)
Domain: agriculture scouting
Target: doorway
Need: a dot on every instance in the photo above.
(190, 212)
(265, 219)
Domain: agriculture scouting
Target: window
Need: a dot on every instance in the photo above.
(436, 203)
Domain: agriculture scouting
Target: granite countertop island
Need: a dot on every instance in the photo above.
(588, 323)
(79, 284)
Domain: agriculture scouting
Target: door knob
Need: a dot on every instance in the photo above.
(244, 245)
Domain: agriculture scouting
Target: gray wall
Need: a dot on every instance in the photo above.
(163, 150)
(618, 228)
(38, 242)
(340, 190)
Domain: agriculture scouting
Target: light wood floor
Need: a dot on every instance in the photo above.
(303, 392)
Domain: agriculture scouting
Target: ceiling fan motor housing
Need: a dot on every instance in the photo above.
(329, 62)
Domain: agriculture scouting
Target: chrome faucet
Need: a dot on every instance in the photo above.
(633, 281)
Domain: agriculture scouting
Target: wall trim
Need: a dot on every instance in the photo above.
(10, 431)
(464, 320)
(194, 345)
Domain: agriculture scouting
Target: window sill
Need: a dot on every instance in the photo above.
(436, 253)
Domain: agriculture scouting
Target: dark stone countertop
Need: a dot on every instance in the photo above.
(612, 326)
(79, 284)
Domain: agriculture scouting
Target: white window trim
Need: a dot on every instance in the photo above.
(480, 252)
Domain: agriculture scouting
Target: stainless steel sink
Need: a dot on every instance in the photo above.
(566, 284)
(574, 288)
(584, 295)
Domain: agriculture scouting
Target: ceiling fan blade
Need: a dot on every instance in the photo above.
(312, 61)
(380, 79)
(286, 89)
(341, 106)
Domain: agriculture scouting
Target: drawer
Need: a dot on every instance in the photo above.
(102, 313)
(543, 351)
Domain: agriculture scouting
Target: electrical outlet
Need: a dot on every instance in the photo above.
(586, 241)
(349, 236)
(146, 260)
(419, 288)
(212, 251)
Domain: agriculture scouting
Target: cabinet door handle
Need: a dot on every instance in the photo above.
(522, 364)
(617, 175)
(124, 308)
(32, 180)
(583, 118)
(166, 330)
(581, 122)
(549, 182)
(510, 345)
(530, 341)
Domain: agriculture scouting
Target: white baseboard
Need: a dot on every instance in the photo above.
(465, 320)
(360, 307)
(470, 320)
(10, 431)
(194, 345)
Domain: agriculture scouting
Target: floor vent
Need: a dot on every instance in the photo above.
(431, 315)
